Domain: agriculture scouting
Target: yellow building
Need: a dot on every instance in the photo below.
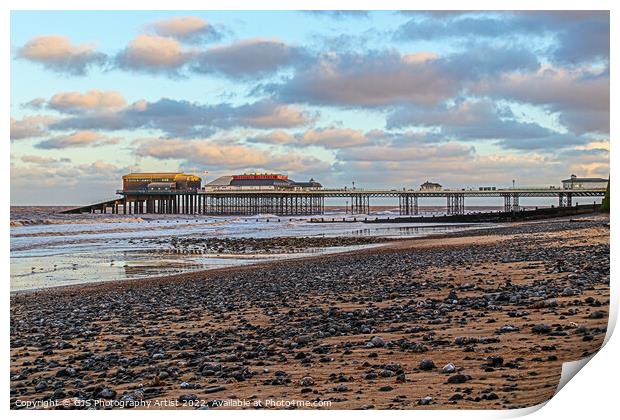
(161, 181)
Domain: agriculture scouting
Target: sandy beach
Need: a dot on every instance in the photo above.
(479, 319)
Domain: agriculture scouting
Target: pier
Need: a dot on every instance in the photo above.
(312, 202)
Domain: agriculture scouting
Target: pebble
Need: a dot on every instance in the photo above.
(597, 315)
(306, 381)
(376, 341)
(106, 393)
(40, 386)
(458, 379)
(427, 364)
(494, 361)
(66, 372)
(425, 401)
(449, 368)
(188, 397)
(541, 329)
(507, 329)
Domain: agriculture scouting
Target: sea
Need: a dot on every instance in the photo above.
(49, 249)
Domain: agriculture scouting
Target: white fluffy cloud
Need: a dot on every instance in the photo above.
(153, 53)
(92, 100)
(225, 155)
(59, 54)
(327, 137)
(186, 29)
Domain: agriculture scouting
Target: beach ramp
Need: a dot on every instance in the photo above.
(105, 206)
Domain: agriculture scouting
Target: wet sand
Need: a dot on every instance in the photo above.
(377, 328)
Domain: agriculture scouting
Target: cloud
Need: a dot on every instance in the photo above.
(468, 120)
(482, 61)
(222, 155)
(249, 58)
(162, 52)
(77, 139)
(387, 78)
(204, 151)
(597, 144)
(376, 79)
(274, 137)
(36, 103)
(336, 138)
(483, 120)
(328, 137)
(269, 114)
(41, 160)
(57, 53)
(154, 54)
(430, 27)
(178, 118)
(339, 14)
(333, 138)
(578, 36)
(28, 127)
(410, 153)
(581, 98)
(548, 142)
(451, 164)
(63, 174)
(581, 36)
(189, 29)
(92, 100)
(588, 160)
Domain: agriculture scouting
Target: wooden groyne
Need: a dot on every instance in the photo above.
(488, 217)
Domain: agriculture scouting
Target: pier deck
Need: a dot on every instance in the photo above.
(310, 202)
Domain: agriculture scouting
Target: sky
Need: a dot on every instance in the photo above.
(380, 98)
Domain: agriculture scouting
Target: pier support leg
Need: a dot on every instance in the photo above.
(456, 204)
(507, 203)
(565, 200)
(515, 202)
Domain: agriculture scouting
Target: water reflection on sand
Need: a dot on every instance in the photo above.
(81, 251)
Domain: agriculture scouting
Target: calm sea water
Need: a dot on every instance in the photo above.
(48, 249)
